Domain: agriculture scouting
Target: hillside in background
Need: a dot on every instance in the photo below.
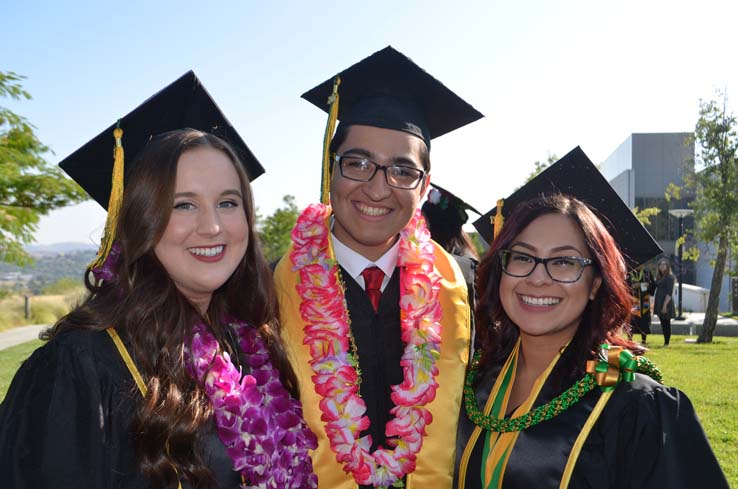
(57, 248)
(50, 263)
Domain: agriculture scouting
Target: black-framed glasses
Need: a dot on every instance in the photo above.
(565, 269)
(362, 169)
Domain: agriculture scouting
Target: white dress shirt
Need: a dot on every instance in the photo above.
(354, 263)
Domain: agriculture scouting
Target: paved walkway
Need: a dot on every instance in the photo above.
(692, 325)
(20, 335)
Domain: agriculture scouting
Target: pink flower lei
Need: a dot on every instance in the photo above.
(327, 332)
(257, 420)
(261, 426)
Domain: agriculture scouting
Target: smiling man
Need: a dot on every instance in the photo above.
(375, 315)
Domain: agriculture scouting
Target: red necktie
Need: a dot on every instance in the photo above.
(373, 277)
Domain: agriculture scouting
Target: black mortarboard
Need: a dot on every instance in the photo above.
(447, 206)
(388, 90)
(183, 104)
(99, 168)
(576, 176)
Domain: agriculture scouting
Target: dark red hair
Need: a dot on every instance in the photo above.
(604, 317)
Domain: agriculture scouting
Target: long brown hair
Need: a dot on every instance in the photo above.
(659, 274)
(145, 305)
(603, 318)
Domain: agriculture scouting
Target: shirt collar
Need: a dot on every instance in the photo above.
(354, 263)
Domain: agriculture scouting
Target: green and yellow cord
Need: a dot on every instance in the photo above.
(325, 181)
(498, 221)
(115, 202)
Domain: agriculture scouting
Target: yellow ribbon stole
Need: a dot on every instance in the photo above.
(136, 377)
(435, 462)
(128, 361)
(499, 446)
(582, 437)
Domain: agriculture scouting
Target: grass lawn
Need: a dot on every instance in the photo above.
(706, 373)
(10, 360)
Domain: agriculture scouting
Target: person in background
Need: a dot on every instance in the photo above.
(375, 315)
(446, 215)
(555, 395)
(663, 302)
(642, 285)
(171, 373)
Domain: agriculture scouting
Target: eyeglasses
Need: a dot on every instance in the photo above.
(564, 269)
(361, 169)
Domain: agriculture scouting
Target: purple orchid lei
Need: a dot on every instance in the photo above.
(261, 426)
(109, 269)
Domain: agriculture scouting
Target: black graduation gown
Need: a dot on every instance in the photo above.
(641, 321)
(65, 421)
(379, 342)
(647, 436)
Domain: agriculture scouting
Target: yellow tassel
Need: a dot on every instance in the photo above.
(114, 204)
(498, 220)
(325, 181)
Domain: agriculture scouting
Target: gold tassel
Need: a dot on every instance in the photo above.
(115, 202)
(498, 220)
(325, 183)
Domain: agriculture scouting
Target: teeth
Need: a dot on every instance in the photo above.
(207, 251)
(372, 211)
(540, 301)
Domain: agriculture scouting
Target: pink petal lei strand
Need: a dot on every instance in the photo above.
(260, 424)
(323, 308)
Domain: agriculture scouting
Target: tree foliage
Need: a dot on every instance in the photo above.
(29, 187)
(645, 215)
(480, 245)
(716, 202)
(274, 230)
(539, 166)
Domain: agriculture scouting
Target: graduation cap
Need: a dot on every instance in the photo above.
(98, 165)
(388, 90)
(576, 176)
(447, 206)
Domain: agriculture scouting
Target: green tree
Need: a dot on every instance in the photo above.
(274, 230)
(29, 187)
(716, 202)
(539, 166)
(645, 215)
(480, 245)
(63, 286)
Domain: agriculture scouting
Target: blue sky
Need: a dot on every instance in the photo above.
(548, 76)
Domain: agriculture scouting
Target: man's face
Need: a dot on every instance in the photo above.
(369, 215)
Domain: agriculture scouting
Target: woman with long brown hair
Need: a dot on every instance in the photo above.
(171, 373)
(556, 396)
(663, 301)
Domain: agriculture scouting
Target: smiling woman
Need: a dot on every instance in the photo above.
(175, 356)
(207, 233)
(556, 396)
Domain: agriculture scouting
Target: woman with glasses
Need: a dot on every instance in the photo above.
(556, 396)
